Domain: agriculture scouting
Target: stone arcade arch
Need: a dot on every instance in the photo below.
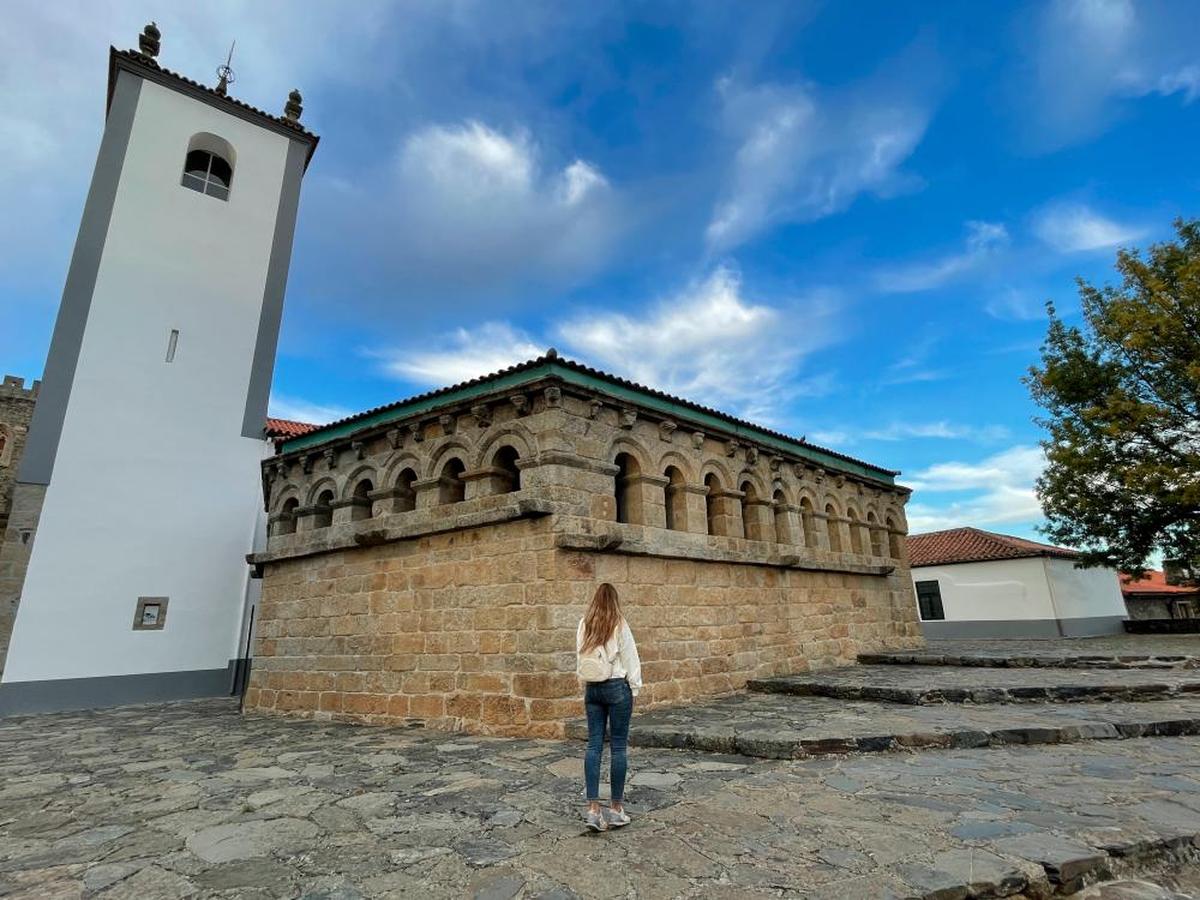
(629, 501)
(361, 500)
(506, 474)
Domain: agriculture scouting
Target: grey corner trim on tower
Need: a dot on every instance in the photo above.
(262, 368)
(45, 429)
(56, 695)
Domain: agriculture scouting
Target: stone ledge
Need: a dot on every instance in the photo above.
(776, 743)
(1028, 661)
(370, 532)
(826, 686)
(628, 541)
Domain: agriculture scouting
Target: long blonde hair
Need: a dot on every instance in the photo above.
(602, 618)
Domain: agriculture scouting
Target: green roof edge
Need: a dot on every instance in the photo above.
(552, 367)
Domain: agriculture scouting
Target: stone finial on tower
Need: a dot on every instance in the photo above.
(292, 109)
(149, 41)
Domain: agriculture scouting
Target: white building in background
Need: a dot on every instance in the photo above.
(978, 584)
(138, 495)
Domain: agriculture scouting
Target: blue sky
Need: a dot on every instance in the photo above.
(841, 220)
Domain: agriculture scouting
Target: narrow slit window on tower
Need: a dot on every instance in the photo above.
(207, 173)
(172, 343)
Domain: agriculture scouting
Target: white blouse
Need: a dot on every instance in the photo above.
(622, 651)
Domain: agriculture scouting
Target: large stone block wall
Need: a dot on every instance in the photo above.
(475, 629)
(19, 505)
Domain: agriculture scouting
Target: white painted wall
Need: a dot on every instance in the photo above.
(1006, 589)
(154, 491)
(1084, 593)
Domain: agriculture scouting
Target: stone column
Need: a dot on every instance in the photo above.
(696, 508)
(821, 529)
(647, 495)
(759, 520)
(352, 509)
(582, 487)
(428, 492)
(487, 481)
(789, 527)
(727, 514)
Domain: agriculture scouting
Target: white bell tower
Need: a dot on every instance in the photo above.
(138, 494)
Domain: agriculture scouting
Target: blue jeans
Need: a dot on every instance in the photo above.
(607, 702)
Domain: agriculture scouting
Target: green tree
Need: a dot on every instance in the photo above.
(1122, 397)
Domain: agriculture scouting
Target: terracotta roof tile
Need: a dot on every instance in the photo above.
(963, 545)
(1154, 583)
(287, 428)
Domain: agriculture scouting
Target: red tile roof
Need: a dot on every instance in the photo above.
(287, 428)
(1154, 583)
(963, 545)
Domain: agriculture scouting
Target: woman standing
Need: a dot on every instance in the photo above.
(608, 664)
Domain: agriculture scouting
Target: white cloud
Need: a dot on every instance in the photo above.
(902, 431)
(1075, 227)
(994, 491)
(54, 77)
(1086, 55)
(914, 366)
(984, 240)
(1012, 304)
(909, 431)
(801, 157)
(713, 344)
(469, 208)
(283, 406)
(708, 343)
(461, 356)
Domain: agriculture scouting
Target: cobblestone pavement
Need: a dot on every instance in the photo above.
(783, 726)
(193, 800)
(937, 684)
(1117, 644)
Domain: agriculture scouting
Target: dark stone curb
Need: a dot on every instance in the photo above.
(777, 744)
(1078, 661)
(1061, 693)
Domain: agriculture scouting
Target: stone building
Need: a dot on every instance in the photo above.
(429, 560)
(16, 409)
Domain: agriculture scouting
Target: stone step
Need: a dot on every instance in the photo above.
(776, 726)
(921, 684)
(1028, 661)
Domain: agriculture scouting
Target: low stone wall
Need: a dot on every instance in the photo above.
(475, 629)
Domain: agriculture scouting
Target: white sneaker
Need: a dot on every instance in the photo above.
(616, 818)
(596, 821)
